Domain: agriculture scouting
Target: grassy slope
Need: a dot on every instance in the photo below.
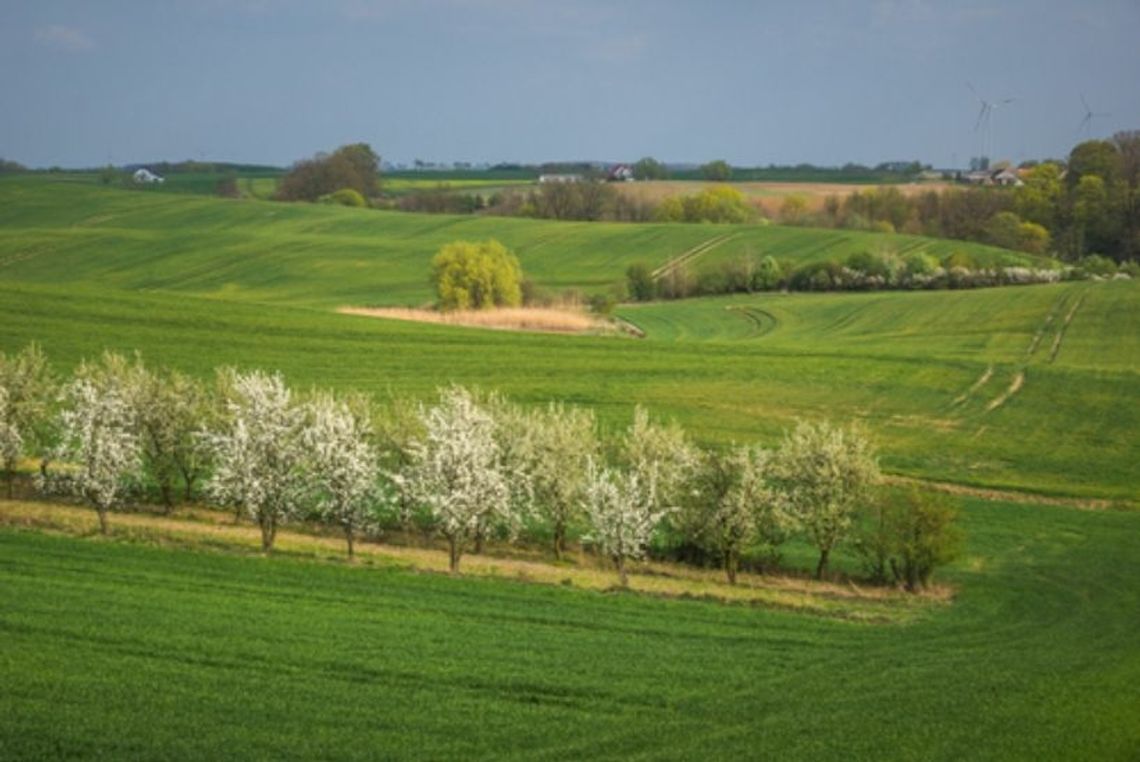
(130, 651)
(898, 361)
(60, 230)
(834, 356)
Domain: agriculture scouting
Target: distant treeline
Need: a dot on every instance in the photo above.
(1087, 205)
(202, 167)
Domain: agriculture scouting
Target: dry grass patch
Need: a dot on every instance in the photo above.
(535, 319)
(204, 529)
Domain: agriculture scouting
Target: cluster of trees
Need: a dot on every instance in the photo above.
(466, 467)
(354, 167)
(720, 203)
(860, 271)
(8, 167)
(476, 275)
(1089, 204)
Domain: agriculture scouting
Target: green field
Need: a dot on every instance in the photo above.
(195, 283)
(71, 231)
(124, 650)
(129, 651)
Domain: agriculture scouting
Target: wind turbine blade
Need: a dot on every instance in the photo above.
(1085, 103)
(981, 116)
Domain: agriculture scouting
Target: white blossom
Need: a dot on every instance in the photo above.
(550, 451)
(343, 463)
(455, 470)
(98, 443)
(622, 507)
(660, 455)
(259, 453)
(11, 441)
(825, 472)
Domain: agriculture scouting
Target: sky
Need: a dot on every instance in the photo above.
(87, 83)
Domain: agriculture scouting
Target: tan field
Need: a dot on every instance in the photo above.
(537, 319)
(766, 195)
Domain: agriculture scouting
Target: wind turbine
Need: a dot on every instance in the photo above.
(984, 123)
(1086, 123)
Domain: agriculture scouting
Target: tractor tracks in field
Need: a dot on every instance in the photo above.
(1035, 351)
(763, 322)
(688, 256)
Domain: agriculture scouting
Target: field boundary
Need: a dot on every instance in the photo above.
(210, 530)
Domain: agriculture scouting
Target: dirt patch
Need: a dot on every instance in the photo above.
(532, 319)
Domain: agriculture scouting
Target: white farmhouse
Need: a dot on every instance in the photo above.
(145, 176)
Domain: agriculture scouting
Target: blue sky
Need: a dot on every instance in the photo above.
(821, 81)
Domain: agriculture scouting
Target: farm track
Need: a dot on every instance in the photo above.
(763, 321)
(982, 381)
(1017, 382)
(686, 257)
(1064, 327)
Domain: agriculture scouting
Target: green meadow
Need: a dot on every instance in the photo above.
(126, 651)
(68, 230)
(122, 649)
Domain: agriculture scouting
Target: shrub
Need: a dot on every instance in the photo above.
(476, 275)
(768, 275)
(345, 197)
(907, 535)
(641, 285)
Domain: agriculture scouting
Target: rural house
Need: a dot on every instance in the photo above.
(620, 173)
(144, 175)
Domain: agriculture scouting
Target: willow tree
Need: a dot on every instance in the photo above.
(476, 275)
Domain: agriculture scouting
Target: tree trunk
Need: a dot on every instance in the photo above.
(623, 577)
(103, 528)
(11, 483)
(268, 532)
(822, 566)
(350, 538)
(731, 562)
(167, 491)
(559, 540)
(237, 513)
(453, 555)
